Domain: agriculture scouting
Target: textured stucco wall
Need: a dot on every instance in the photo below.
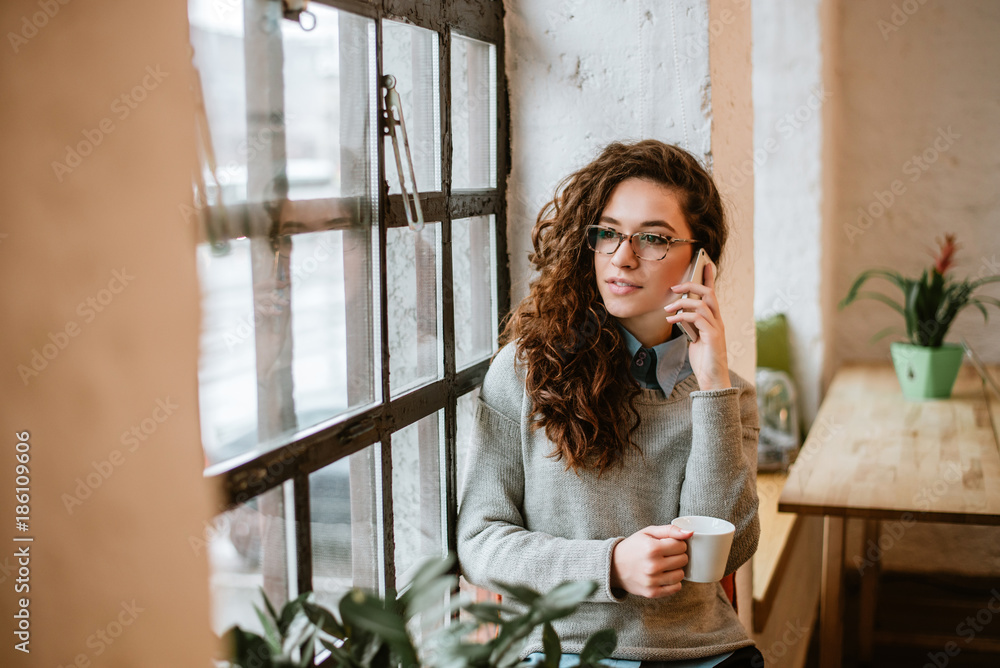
(583, 74)
(919, 105)
(789, 96)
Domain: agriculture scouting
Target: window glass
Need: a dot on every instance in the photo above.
(343, 511)
(248, 549)
(473, 113)
(413, 265)
(473, 246)
(417, 494)
(410, 54)
(227, 363)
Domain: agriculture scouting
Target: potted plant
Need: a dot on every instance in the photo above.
(372, 632)
(925, 365)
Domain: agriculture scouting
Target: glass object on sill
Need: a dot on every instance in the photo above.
(410, 54)
(413, 269)
(327, 95)
(247, 549)
(418, 495)
(473, 113)
(779, 420)
(333, 352)
(466, 414)
(342, 501)
(227, 363)
(473, 252)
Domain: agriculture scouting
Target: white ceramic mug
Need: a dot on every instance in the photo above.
(708, 547)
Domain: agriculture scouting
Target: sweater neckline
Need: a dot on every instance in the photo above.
(655, 395)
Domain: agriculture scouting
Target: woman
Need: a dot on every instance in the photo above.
(598, 423)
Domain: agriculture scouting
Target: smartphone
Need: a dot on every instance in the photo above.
(695, 274)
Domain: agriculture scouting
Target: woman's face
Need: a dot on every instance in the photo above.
(641, 205)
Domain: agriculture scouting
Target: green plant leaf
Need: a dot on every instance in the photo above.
(567, 595)
(983, 281)
(518, 593)
(551, 646)
(886, 274)
(878, 296)
(270, 631)
(247, 649)
(324, 619)
(370, 613)
(267, 602)
(598, 647)
(885, 332)
(290, 610)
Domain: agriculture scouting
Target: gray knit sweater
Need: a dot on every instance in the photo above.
(524, 519)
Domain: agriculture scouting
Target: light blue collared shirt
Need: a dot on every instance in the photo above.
(672, 364)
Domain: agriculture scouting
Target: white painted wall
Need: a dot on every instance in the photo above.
(788, 95)
(582, 74)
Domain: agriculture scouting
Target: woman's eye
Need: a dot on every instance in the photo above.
(652, 239)
(606, 234)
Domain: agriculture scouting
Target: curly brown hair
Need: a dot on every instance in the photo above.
(578, 375)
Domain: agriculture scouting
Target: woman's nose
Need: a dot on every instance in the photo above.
(625, 255)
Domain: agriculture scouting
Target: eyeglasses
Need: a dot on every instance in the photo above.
(645, 245)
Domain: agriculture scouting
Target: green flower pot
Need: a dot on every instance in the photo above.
(926, 373)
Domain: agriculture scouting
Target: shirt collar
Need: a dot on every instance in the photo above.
(672, 363)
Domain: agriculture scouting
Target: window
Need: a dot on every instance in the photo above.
(342, 348)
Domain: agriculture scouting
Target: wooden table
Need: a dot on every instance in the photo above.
(874, 455)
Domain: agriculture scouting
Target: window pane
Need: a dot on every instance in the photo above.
(248, 549)
(326, 82)
(474, 269)
(217, 39)
(342, 499)
(417, 494)
(227, 365)
(410, 54)
(466, 413)
(414, 276)
(473, 113)
(332, 368)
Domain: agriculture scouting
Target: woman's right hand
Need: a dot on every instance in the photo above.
(651, 561)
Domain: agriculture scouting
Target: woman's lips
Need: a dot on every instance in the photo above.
(621, 289)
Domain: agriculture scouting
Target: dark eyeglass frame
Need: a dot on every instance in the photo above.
(669, 241)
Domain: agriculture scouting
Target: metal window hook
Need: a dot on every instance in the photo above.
(393, 115)
(295, 10)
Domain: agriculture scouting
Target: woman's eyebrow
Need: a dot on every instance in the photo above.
(648, 223)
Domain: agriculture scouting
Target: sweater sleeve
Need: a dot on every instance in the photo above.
(494, 546)
(720, 479)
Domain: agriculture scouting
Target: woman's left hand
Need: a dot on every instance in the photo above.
(708, 354)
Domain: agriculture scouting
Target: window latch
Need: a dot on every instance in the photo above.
(393, 115)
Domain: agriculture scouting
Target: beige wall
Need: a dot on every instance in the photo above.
(915, 104)
(119, 562)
